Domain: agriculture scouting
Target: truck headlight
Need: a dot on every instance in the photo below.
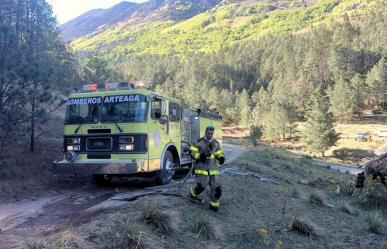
(73, 147)
(126, 147)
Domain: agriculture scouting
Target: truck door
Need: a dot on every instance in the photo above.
(174, 114)
(158, 131)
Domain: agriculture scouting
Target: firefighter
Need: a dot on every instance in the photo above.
(207, 153)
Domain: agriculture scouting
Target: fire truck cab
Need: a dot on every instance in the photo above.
(114, 129)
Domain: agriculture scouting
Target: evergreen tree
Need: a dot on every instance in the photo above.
(359, 90)
(377, 81)
(342, 101)
(319, 134)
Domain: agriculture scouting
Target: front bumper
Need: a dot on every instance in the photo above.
(106, 167)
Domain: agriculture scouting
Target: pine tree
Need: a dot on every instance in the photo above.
(342, 101)
(319, 134)
(359, 93)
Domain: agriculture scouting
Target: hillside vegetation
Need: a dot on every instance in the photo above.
(312, 207)
(226, 23)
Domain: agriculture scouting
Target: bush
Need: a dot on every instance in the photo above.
(374, 221)
(255, 134)
(153, 215)
(372, 195)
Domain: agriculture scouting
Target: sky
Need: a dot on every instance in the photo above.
(65, 10)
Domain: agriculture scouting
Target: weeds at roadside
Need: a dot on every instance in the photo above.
(374, 220)
(153, 215)
(204, 226)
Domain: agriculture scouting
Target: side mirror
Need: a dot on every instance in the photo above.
(163, 119)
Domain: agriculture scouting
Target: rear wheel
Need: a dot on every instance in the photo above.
(165, 174)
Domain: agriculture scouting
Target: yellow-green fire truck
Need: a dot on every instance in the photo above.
(115, 129)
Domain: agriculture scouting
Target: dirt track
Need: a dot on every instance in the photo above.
(28, 218)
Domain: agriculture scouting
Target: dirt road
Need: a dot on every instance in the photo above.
(37, 217)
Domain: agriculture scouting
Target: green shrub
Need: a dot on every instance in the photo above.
(374, 221)
(373, 194)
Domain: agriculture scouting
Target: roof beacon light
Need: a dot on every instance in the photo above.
(93, 87)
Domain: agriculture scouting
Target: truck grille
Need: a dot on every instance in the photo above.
(99, 144)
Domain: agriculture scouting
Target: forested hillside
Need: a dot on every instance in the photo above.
(267, 79)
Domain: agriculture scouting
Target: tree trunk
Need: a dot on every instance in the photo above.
(32, 144)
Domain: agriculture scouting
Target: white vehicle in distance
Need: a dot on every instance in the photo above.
(381, 133)
(363, 136)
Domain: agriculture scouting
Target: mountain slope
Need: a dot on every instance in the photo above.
(225, 23)
(96, 21)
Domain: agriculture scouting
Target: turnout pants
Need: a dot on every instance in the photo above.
(202, 181)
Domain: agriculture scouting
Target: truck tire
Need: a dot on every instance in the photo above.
(165, 174)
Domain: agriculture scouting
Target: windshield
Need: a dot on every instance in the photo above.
(124, 108)
(83, 110)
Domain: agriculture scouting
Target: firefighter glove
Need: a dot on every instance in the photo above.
(221, 160)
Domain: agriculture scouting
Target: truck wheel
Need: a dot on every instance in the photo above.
(165, 174)
(100, 180)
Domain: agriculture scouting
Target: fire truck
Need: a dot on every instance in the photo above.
(118, 130)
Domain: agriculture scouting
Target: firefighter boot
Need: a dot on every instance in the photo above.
(194, 193)
(214, 206)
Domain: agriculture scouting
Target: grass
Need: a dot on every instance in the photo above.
(204, 226)
(345, 206)
(316, 199)
(346, 150)
(68, 239)
(153, 215)
(36, 244)
(134, 236)
(374, 221)
(304, 226)
(290, 222)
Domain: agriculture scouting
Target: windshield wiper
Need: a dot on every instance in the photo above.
(77, 129)
(118, 127)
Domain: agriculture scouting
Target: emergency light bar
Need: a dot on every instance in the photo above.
(94, 87)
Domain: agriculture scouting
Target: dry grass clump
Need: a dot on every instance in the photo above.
(153, 215)
(345, 207)
(68, 239)
(345, 187)
(374, 220)
(35, 244)
(316, 199)
(134, 236)
(204, 227)
(373, 195)
(304, 227)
